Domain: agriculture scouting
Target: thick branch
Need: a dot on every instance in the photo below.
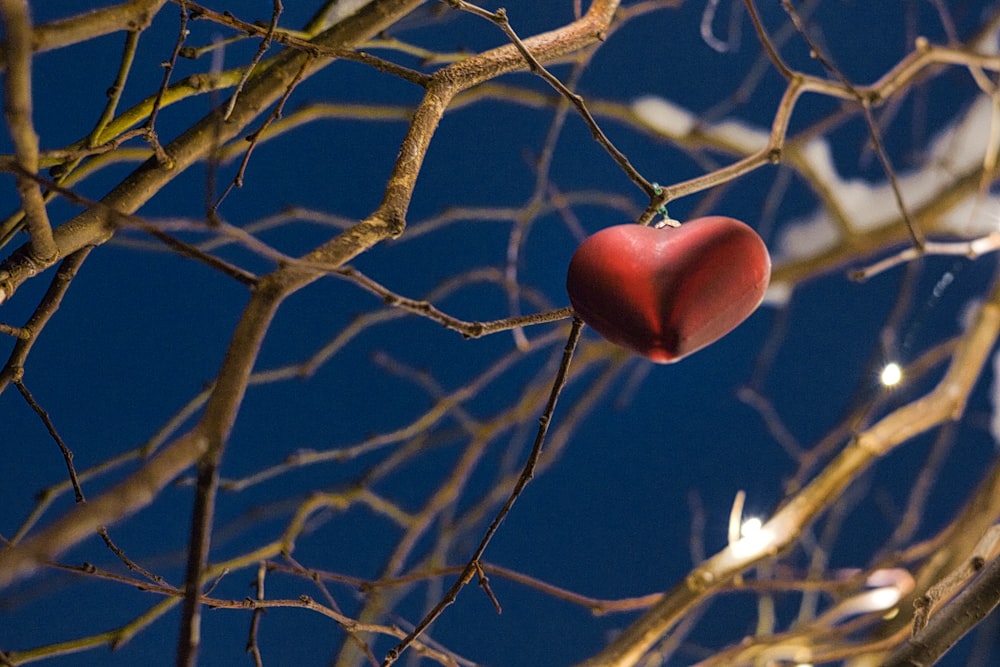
(952, 622)
(17, 110)
(946, 402)
(92, 227)
(132, 15)
(83, 521)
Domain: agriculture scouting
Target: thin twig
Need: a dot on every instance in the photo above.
(265, 44)
(129, 563)
(16, 332)
(46, 308)
(528, 472)
(67, 453)
(500, 18)
(971, 249)
(254, 138)
(427, 309)
(916, 236)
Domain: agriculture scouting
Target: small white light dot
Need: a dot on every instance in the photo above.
(892, 374)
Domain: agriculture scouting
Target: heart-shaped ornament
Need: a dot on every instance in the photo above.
(666, 293)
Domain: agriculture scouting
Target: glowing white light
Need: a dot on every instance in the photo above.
(892, 374)
(878, 599)
(884, 598)
(755, 541)
(892, 584)
(751, 527)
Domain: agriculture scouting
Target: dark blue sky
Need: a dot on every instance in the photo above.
(142, 331)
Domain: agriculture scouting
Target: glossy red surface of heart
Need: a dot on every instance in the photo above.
(666, 293)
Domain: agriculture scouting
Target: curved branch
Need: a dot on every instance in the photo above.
(93, 226)
(944, 403)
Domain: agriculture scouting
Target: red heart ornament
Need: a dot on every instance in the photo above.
(666, 293)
